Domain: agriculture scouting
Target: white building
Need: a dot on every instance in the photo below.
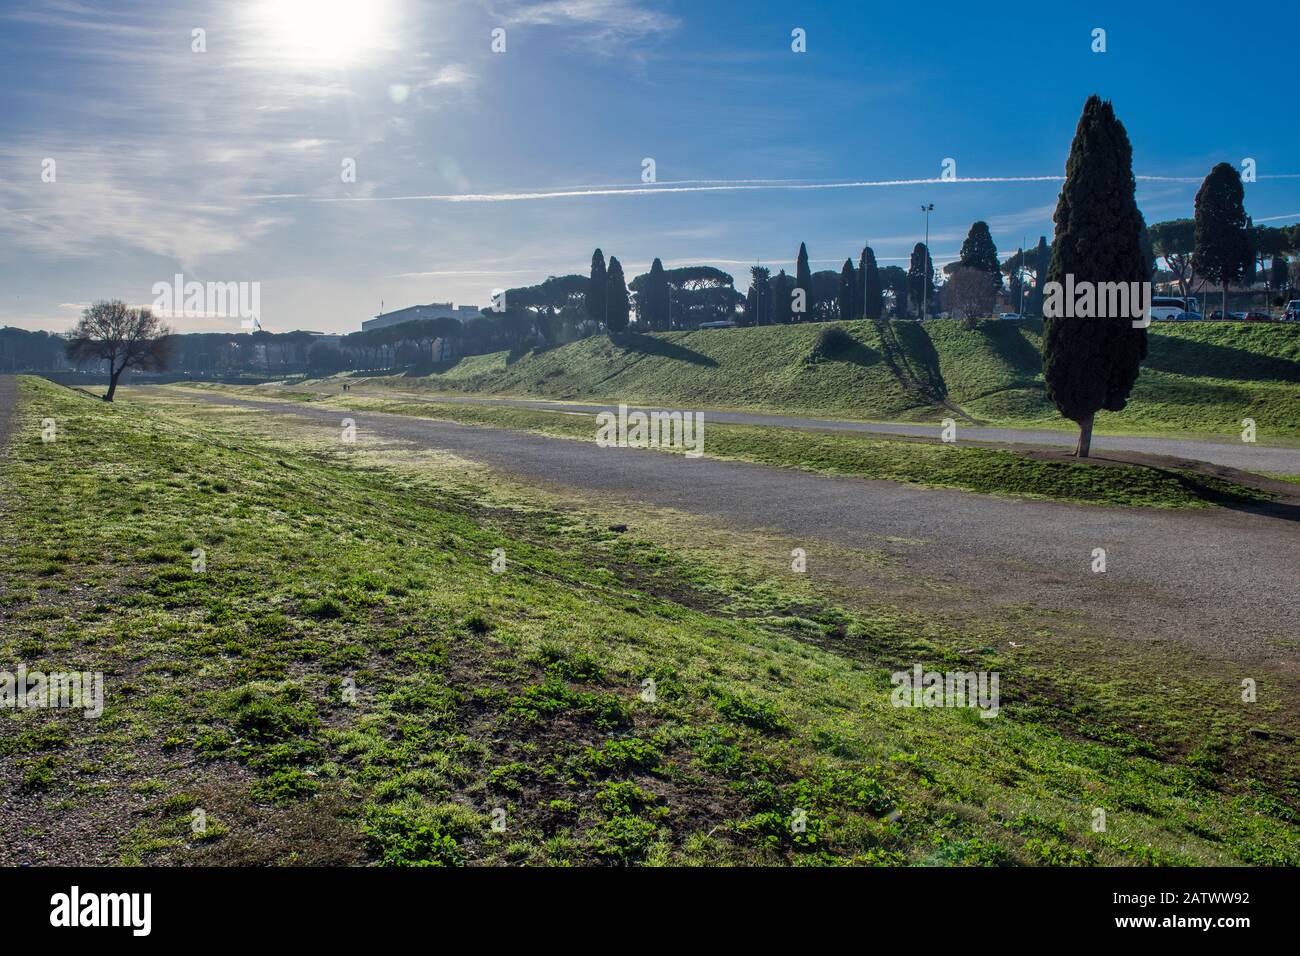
(435, 310)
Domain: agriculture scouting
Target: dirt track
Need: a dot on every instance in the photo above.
(1259, 457)
(1221, 581)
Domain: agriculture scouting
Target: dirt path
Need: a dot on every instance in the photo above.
(8, 414)
(1221, 581)
(1248, 457)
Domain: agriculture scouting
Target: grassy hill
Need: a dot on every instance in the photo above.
(1200, 377)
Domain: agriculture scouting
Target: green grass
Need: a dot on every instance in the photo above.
(1200, 378)
(935, 464)
(436, 697)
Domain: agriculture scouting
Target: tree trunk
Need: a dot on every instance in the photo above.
(112, 385)
(1224, 314)
(1084, 445)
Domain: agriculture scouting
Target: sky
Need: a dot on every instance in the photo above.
(478, 169)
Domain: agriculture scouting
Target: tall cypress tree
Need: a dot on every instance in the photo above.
(782, 291)
(979, 252)
(595, 298)
(872, 297)
(1223, 251)
(616, 297)
(803, 280)
(654, 299)
(920, 277)
(848, 283)
(1090, 364)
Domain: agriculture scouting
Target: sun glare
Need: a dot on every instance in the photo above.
(324, 32)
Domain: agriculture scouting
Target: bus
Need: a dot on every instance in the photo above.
(1174, 307)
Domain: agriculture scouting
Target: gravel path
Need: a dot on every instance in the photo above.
(1249, 457)
(1223, 581)
(8, 408)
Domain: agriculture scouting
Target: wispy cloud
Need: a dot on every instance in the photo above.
(103, 198)
(71, 16)
(452, 74)
(141, 169)
(612, 22)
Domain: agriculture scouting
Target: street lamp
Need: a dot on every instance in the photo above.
(925, 263)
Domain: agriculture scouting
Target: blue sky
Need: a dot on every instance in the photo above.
(225, 165)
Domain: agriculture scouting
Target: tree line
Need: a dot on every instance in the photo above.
(1218, 245)
(1222, 247)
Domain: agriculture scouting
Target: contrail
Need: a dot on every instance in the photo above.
(708, 186)
(579, 190)
(719, 186)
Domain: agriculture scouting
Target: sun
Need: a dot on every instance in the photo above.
(323, 32)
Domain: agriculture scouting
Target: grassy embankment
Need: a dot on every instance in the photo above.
(523, 691)
(1200, 379)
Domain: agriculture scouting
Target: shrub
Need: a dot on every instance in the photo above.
(268, 713)
(832, 342)
(758, 714)
(325, 608)
(626, 838)
(412, 833)
(283, 786)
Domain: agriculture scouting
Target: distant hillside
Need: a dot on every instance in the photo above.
(1198, 377)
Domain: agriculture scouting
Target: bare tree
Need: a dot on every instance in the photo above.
(121, 336)
(969, 290)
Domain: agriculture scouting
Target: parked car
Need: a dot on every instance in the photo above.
(1188, 317)
(1256, 317)
(1292, 311)
(1010, 316)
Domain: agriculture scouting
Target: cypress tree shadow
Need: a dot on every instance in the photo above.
(653, 345)
(1008, 341)
(1196, 485)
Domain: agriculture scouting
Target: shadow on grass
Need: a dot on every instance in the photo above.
(1205, 359)
(1010, 343)
(921, 358)
(1197, 487)
(855, 352)
(1283, 510)
(652, 345)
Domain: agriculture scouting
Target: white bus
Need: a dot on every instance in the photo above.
(1174, 307)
